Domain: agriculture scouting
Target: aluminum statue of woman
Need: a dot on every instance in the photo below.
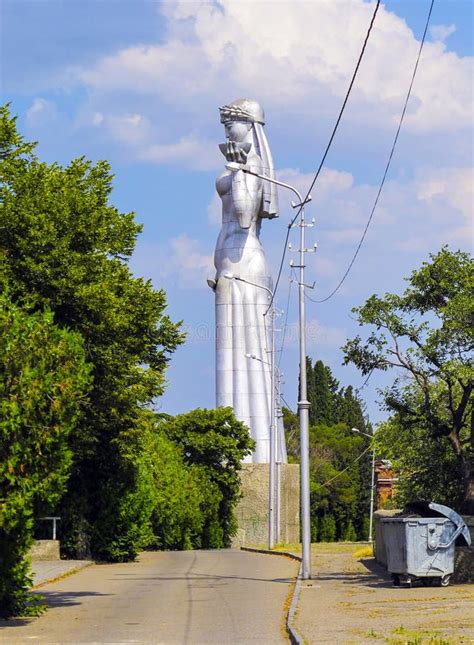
(243, 282)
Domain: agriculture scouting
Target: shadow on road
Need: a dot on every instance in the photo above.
(208, 576)
(68, 598)
(52, 599)
(377, 577)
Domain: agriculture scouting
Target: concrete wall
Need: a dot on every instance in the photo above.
(252, 509)
(45, 550)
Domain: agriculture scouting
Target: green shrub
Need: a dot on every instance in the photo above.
(214, 442)
(44, 378)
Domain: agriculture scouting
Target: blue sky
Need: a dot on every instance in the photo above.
(139, 83)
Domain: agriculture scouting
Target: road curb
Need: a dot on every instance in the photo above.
(295, 636)
(62, 574)
(287, 554)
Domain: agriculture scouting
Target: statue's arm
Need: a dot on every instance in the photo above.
(247, 193)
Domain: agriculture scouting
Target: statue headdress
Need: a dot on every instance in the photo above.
(252, 112)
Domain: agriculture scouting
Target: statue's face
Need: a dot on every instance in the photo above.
(237, 130)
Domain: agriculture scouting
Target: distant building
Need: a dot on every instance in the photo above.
(385, 481)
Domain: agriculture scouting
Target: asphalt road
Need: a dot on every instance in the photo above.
(226, 596)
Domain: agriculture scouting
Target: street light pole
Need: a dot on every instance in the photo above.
(372, 487)
(303, 409)
(279, 456)
(278, 439)
(272, 457)
(303, 403)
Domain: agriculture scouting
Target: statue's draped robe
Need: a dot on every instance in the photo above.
(243, 383)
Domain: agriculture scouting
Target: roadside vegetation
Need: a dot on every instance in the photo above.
(83, 353)
(84, 347)
(426, 336)
(340, 460)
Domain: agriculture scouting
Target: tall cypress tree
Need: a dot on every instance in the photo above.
(350, 410)
(338, 409)
(323, 403)
(311, 386)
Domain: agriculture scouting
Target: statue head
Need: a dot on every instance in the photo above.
(239, 117)
(243, 110)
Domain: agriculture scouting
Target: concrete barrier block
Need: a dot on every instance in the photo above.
(45, 550)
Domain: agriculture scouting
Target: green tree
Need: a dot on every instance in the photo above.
(427, 333)
(425, 463)
(64, 246)
(292, 434)
(45, 379)
(335, 480)
(322, 398)
(336, 455)
(216, 442)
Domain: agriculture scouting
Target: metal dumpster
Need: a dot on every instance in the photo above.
(422, 548)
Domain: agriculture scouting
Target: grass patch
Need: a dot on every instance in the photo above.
(364, 552)
(415, 637)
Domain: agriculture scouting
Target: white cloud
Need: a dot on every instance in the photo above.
(214, 211)
(414, 215)
(97, 119)
(217, 50)
(140, 134)
(441, 32)
(131, 128)
(449, 193)
(318, 335)
(189, 151)
(179, 263)
(41, 112)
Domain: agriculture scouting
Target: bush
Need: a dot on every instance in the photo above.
(66, 247)
(214, 442)
(44, 380)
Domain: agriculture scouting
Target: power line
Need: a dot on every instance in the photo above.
(343, 471)
(287, 404)
(327, 149)
(386, 167)
(285, 326)
(361, 387)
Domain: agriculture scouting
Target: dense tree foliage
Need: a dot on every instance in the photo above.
(427, 334)
(425, 464)
(45, 380)
(340, 460)
(215, 442)
(83, 350)
(64, 247)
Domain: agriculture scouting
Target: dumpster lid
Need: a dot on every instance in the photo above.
(454, 517)
(424, 508)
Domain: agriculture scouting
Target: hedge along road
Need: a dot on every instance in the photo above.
(227, 596)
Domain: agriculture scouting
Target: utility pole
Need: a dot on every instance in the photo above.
(273, 427)
(303, 406)
(279, 456)
(303, 403)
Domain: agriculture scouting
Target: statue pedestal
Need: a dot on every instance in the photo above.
(252, 510)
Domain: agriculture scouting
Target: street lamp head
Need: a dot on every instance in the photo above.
(233, 166)
(228, 275)
(366, 434)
